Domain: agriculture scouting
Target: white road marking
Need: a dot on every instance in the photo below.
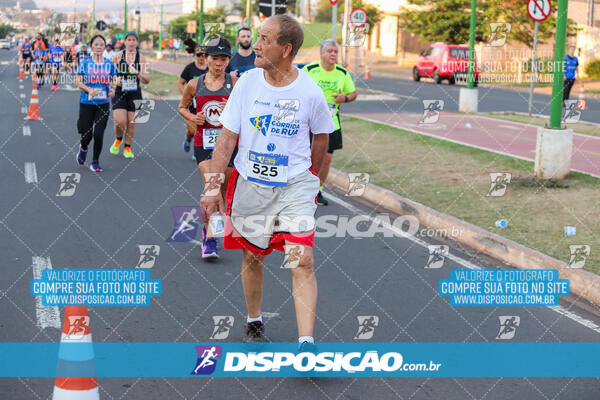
(23, 110)
(399, 232)
(515, 128)
(46, 316)
(21, 87)
(30, 173)
(22, 95)
(269, 315)
(26, 130)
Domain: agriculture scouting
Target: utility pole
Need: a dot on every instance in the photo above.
(334, 10)
(345, 43)
(471, 77)
(93, 17)
(468, 97)
(201, 25)
(554, 145)
(160, 35)
(559, 58)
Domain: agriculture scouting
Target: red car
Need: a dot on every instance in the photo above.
(444, 61)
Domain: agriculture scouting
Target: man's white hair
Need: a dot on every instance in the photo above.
(328, 42)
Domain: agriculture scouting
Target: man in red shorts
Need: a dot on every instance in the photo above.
(271, 197)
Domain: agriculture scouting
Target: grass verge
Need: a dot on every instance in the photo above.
(580, 127)
(162, 84)
(454, 179)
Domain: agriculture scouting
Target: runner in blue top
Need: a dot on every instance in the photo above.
(96, 78)
(39, 60)
(25, 50)
(571, 73)
(56, 57)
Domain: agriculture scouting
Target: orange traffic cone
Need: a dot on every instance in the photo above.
(367, 73)
(581, 102)
(21, 71)
(76, 329)
(34, 104)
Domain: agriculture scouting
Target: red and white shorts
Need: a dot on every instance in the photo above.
(262, 218)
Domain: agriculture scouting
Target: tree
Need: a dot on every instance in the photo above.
(444, 20)
(5, 29)
(324, 11)
(449, 21)
(515, 13)
(178, 25)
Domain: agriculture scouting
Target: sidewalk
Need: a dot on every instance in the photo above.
(503, 137)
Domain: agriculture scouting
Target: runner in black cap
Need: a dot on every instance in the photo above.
(210, 93)
(192, 70)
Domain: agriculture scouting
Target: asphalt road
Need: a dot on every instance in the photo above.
(491, 98)
(130, 203)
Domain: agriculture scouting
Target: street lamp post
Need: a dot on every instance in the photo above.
(554, 144)
(125, 21)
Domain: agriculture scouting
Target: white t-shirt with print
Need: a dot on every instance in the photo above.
(273, 124)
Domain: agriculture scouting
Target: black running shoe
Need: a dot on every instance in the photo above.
(321, 200)
(255, 332)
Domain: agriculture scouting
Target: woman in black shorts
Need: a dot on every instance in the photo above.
(210, 93)
(132, 69)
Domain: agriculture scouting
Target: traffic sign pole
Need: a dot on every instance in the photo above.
(533, 65)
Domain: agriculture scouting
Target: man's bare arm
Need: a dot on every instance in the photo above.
(318, 150)
(222, 151)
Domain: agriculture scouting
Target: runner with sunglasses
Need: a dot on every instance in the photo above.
(192, 70)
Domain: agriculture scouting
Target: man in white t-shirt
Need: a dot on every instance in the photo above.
(271, 198)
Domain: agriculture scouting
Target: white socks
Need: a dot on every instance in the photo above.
(308, 339)
(259, 318)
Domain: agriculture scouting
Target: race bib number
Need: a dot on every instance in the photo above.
(268, 169)
(56, 59)
(129, 84)
(331, 109)
(100, 95)
(209, 138)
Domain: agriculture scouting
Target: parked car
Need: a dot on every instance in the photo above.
(444, 61)
(5, 44)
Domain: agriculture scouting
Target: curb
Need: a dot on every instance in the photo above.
(582, 283)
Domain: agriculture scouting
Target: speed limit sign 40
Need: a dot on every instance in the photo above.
(358, 17)
(539, 10)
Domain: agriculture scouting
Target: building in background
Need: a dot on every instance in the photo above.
(189, 6)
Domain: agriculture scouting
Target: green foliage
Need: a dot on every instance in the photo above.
(5, 29)
(444, 20)
(522, 26)
(178, 26)
(592, 69)
(323, 14)
(449, 21)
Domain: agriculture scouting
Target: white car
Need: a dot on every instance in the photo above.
(5, 44)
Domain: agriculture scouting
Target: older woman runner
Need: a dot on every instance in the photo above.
(96, 77)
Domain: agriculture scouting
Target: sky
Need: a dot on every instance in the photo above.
(112, 5)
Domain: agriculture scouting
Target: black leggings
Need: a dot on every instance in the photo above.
(91, 125)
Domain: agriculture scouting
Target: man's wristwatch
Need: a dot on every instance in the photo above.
(346, 99)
